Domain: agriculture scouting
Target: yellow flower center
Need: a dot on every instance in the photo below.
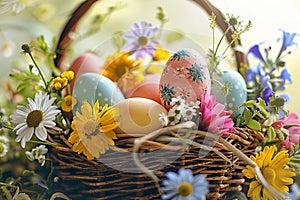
(34, 118)
(269, 174)
(69, 102)
(90, 127)
(1, 148)
(185, 189)
(143, 41)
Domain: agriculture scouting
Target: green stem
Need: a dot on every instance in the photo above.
(42, 142)
(39, 69)
(219, 43)
(7, 185)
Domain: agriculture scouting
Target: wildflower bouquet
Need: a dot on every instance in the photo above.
(145, 121)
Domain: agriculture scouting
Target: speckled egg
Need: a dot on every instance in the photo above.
(139, 116)
(85, 63)
(93, 86)
(238, 93)
(186, 75)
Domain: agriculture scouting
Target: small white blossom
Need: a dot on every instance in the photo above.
(37, 153)
(182, 111)
(29, 155)
(163, 118)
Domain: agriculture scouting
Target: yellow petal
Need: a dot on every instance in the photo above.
(249, 172)
(254, 190)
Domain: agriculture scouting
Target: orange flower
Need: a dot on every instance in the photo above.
(117, 64)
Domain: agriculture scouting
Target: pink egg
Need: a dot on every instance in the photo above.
(85, 63)
(149, 88)
(148, 91)
(186, 75)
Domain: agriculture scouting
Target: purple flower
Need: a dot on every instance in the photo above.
(256, 52)
(287, 40)
(141, 41)
(267, 93)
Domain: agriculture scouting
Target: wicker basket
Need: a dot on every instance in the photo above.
(80, 178)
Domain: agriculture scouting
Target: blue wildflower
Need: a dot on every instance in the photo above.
(253, 72)
(265, 82)
(287, 40)
(184, 186)
(141, 40)
(295, 194)
(256, 52)
(266, 94)
(286, 76)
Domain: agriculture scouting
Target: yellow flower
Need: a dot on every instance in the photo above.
(93, 130)
(59, 83)
(161, 54)
(118, 64)
(69, 75)
(274, 170)
(131, 79)
(68, 103)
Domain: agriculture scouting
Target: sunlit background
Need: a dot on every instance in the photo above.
(48, 17)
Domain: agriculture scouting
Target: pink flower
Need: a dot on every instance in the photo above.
(213, 116)
(291, 125)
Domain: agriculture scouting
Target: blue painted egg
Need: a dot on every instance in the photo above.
(237, 94)
(92, 87)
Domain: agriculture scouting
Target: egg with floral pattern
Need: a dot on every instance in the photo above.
(186, 75)
(92, 87)
(237, 91)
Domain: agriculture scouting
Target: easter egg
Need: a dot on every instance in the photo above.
(85, 63)
(186, 75)
(237, 93)
(139, 116)
(92, 87)
(149, 88)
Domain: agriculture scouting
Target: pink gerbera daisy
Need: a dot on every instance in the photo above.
(213, 116)
(291, 125)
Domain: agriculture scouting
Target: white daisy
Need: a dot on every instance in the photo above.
(184, 186)
(38, 115)
(15, 5)
(3, 145)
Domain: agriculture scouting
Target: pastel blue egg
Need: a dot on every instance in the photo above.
(92, 87)
(236, 96)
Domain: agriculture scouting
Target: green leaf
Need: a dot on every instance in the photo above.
(253, 124)
(271, 134)
(277, 102)
(249, 103)
(247, 115)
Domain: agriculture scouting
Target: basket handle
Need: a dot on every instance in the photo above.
(65, 38)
